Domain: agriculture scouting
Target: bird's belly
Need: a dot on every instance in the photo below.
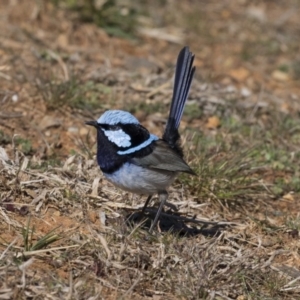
(139, 180)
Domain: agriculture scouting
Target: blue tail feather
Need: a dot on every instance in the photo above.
(183, 78)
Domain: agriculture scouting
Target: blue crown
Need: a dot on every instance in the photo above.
(113, 117)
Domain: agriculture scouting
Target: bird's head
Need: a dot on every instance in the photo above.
(123, 130)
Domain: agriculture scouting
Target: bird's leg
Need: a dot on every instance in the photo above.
(163, 196)
(146, 204)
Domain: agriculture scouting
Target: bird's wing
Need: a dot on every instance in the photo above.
(163, 158)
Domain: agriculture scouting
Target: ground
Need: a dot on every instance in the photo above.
(231, 231)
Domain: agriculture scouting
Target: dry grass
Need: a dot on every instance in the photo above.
(232, 232)
(92, 249)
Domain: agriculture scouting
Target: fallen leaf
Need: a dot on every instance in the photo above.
(92, 216)
(280, 76)
(285, 107)
(213, 122)
(83, 131)
(62, 41)
(245, 92)
(257, 13)
(48, 122)
(288, 197)
(239, 74)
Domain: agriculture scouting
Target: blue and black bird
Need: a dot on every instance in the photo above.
(137, 161)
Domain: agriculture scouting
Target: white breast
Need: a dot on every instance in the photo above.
(139, 180)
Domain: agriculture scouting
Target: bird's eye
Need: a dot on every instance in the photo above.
(114, 127)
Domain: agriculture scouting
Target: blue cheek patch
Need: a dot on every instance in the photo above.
(118, 137)
(139, 147)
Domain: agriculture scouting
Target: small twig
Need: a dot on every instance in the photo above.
(162, 34)
(31, 181)
(29, 253)
(11, 116)
(132, 287)
(7, 248)
(158, 89)
(290, 288)
(223, 296)
(287, 285)
(61, 63)
(269, 261)
(69, 296)
(23, 268)
(105, 245)
(7, 77)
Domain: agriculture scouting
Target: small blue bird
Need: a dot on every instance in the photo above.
(137, 161)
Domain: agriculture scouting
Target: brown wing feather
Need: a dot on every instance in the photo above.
(163, 158)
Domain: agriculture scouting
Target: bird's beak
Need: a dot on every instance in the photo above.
(92, 123)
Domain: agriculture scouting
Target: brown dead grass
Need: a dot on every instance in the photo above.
(57, 72)
(93, 257)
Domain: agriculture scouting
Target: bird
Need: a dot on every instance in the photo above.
(132, 158)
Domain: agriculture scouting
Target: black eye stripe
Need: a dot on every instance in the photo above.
(114, 127)
(110, 127)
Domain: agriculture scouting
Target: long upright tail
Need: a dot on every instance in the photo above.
(183, 79)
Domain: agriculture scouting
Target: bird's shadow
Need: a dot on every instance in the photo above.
(174, 222)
